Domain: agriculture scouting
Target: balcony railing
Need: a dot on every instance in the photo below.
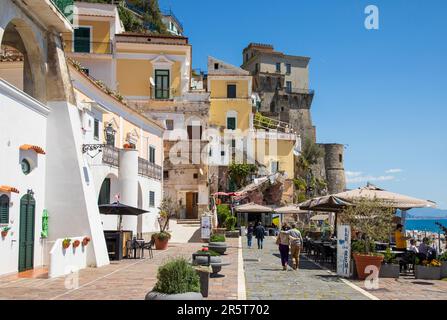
(148, 169)
(298, 90)
(86, 46)
(110, 156)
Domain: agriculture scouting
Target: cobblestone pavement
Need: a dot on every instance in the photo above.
(408, 288)
(265, 279)
(124, 280)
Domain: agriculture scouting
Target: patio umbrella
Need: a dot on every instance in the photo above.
(253, 208)
(121, 210)
(320, 217)
(291, 209)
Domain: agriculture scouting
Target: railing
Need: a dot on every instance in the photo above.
(262, 122)
(110, 156)
(169, 13)
(148, 169)
(87, 46)
(298, 90)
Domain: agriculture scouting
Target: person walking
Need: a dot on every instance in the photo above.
(283, 242)
(260, 234)
(250, 231)
(296, 243)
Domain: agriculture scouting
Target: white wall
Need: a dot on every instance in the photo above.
(31, 129)
(66, 261)
(100, 69)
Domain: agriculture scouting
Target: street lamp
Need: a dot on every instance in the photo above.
(109, 134)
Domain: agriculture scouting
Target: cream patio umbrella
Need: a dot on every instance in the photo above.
(291, 209)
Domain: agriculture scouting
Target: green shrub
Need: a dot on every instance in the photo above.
(389, 257)
(443, 257)
(217, 238)
(230, 223)
(209, 252)
(177, 276)
(162, 236)
(223, 211)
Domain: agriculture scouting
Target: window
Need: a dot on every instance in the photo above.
(231, 123)
(289, 86)
(194, 132)
(162, 84)
(288, 68)
(151, 154)
(231, 91)
(26, 167)
(151, 199)
(195, 176)
(278, 67)
(169, 124)
(4, 209)
(104, 194)
(81, 41)
(166, 174)
(233, 143)
(216, 66)
(340, 158)
(96, 129)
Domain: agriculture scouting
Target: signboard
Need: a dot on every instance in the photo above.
(343, 250)
(206, 227)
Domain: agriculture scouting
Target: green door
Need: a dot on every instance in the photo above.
(26, 236)
(161, 84)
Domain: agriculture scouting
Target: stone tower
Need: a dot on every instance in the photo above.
(333, 162)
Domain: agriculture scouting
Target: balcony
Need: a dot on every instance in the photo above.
(86, 46)
(110, 156)
(298, 91)
(148, 169)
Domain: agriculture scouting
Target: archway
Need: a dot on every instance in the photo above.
(22, 63)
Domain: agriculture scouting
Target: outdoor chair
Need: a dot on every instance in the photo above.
(149, 245)
(129, 249)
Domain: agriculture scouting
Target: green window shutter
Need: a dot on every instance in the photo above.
(104, 194)
(151, 199)
(231, 123)
(4, 209)
(82, 39)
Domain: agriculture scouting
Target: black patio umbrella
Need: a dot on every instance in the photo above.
(121, 210)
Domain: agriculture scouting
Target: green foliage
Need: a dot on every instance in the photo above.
(162, 236)
(153, 17)
(230, 223)
(177, 276)
(208, 252)
(130, 21)
(217, 238)
(263, 122)
(238, 173)
(443, 257)
(389, 257)
(372, 218)
(310, 153)
(223, 211)
(168, 208)
(300, 184)
(360, 246)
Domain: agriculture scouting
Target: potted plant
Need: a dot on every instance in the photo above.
(161, 240)
(176, 280)
(201, 258)
(5, 231)
(373, 220)
(76, 244)
(390, 267)
(443, 260)
(427, 270)
(167, 209)
(85, 241)
(217, 243)
(230, 224)
(66, 243)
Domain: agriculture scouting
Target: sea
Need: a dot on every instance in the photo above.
(424, 224)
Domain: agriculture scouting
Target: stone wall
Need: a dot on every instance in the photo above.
(335, 173)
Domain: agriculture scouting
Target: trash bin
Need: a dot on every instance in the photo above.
(204, 274)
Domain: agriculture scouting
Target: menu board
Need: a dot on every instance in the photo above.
(343, 250)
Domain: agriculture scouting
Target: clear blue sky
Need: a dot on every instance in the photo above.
(382, 92)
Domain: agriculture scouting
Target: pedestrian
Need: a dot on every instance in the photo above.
(250, 231)
(296, 243)
(260, 234)
(283, 242)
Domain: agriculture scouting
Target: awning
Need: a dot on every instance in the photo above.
(291, 209)
(320, 217)
(253, 208)
(8, 189)
(37, 149)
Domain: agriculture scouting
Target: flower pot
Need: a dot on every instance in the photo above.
(363, 261)
(65, 246)
(219, 247)
(427, 273)
(161, 244)
(444, 269)
(232, 234)
(389, 270)
(85, 241)
(152, 295)
(76, 243)
(202, 260)
(4, 234)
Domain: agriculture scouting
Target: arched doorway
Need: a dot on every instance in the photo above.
(26, 235)
(22, 62)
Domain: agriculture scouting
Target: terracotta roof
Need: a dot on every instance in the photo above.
(37, 149)
(8, 189)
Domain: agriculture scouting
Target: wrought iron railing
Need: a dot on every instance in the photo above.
(298, 90)
(110, 156)
(149, 169)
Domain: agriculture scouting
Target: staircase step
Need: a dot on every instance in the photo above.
(188, 221)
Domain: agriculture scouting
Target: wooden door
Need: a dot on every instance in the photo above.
(189, 205)
(26, 235)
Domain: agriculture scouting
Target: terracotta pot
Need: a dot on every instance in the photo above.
(161, 244)
(4, 234)
(362, 261)
(76, 244)
(85, 241)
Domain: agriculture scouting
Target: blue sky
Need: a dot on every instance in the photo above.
(382, 92)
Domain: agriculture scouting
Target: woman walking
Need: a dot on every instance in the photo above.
(250, 231)
(260, 234)
(283, 242)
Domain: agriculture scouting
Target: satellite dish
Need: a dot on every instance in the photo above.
(152, 82)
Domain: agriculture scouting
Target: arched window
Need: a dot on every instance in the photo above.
(4, 209)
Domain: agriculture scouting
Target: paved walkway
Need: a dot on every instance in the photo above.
(265, 279)
(123, 280)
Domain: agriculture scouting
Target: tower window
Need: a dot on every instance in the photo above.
(216, 66)
(340, 158)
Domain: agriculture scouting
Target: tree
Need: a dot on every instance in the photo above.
(239, 172)
(153, 17)
(310, 154)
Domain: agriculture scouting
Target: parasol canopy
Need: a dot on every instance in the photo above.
(319, 217)
(121, 210)
(337, 202)
(253, 208)
(291, 209)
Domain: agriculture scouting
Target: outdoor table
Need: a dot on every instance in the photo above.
(139, 244)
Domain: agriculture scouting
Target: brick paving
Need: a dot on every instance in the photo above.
(124, 280)
(265, 279)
